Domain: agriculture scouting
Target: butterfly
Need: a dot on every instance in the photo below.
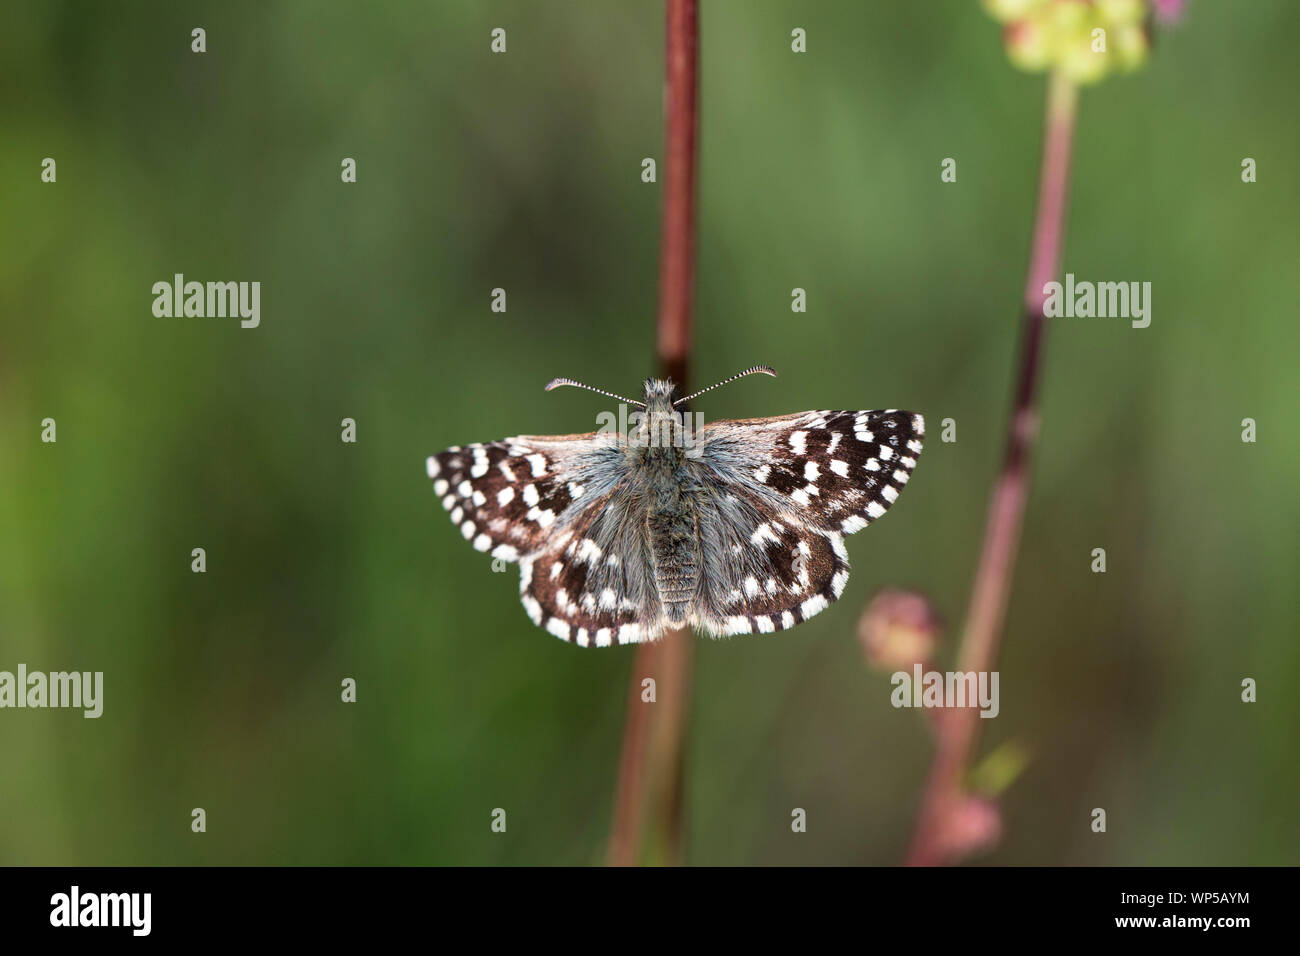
(733, 527)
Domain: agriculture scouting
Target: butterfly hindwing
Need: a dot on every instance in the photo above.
(594, 583)
(765, 569)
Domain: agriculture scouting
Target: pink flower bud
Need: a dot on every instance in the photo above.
(1169, 11)
(974, 824)
(1029, 44)
(898, 629)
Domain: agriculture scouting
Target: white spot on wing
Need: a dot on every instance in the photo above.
(532, 607)
(480, 467)
(739, 625)
(543, 516)
(814, 605)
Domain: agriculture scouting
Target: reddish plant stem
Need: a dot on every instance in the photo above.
(650, 778)
(958, 729)
(677, 238)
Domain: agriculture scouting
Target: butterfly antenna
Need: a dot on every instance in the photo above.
(557, 382)
(765, 369)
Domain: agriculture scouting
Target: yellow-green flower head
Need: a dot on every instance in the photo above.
(1086, 40)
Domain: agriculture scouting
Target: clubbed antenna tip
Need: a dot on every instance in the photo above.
(557, 382)
(765, 369)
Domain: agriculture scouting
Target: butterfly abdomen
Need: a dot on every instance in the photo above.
(670, 524)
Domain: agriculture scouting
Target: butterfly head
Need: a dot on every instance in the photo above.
(660, 394)
(660, 423)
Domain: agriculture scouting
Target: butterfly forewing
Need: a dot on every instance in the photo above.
(511, 497)
(840, 470)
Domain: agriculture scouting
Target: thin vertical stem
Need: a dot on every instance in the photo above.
(958, 729)
(650, 777)
(677, 238)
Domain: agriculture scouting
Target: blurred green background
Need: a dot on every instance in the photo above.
(328, 560)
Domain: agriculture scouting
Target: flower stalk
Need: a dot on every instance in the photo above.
(938, 838)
